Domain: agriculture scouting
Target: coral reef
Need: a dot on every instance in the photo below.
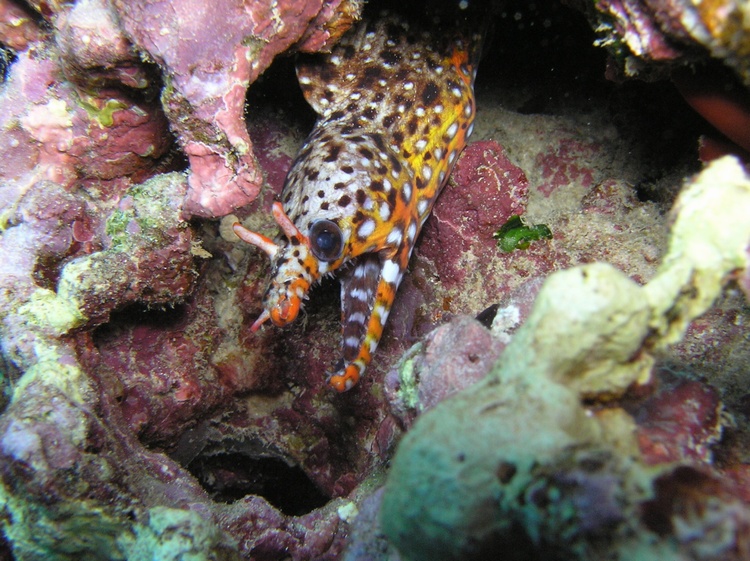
(91, 225)
(517, 461)
(141, 419)
(207, 75)
(647, 37)
(683, 41)
(101, 48)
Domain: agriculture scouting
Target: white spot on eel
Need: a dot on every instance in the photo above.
(391, 271)
(357, 317)
(366, 228)
(407, 191)
(360, 294)
(351, 342)
(395, 236)
(412, 231)
(385, 212)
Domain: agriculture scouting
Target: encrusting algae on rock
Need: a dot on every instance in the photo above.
(518, 461)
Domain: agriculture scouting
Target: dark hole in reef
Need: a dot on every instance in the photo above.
(487, 316)
(151, 315)
(516, 545)
(230, 476)
(678, 494)
(276, 92)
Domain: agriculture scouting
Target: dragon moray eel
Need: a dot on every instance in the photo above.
(395, 105)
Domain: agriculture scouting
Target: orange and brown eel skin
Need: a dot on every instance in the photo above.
(396, 106)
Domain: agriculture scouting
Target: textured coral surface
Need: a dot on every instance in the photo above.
(140, 419)
(558, 476)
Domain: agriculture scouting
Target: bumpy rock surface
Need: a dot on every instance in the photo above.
(517, 460)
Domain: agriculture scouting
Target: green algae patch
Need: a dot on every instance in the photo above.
(116, 227)
(408, 383)
(515, 234)
(51, 396)
(104, 115)
(57, 370)
(79, 522)
(146, 212)
(70, 532)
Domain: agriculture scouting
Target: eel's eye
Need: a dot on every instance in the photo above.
(326, 240)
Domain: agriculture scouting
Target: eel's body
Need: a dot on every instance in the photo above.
(396, 105)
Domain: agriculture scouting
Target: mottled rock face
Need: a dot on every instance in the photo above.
(519, 459)
(93, 235)
(101, 49)
(486, 189)
(451, 358)
(209, 73)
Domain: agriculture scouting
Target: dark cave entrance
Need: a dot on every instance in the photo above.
(230, 476)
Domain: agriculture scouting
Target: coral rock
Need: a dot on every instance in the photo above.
(434, 370)
(680, 422)
(18, 26)
(517, 461)
(208, 74)
(486, 189)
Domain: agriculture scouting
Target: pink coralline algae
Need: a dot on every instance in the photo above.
(206, 73)
(18, 26)
(209, 55)
(58, 133)
(432, 371)
(681, 421)
(486, 189)
(562, 166)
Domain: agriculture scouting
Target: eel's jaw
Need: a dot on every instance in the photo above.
(287, 302)
(346, 380)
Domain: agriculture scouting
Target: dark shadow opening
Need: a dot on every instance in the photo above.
(230, 476)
